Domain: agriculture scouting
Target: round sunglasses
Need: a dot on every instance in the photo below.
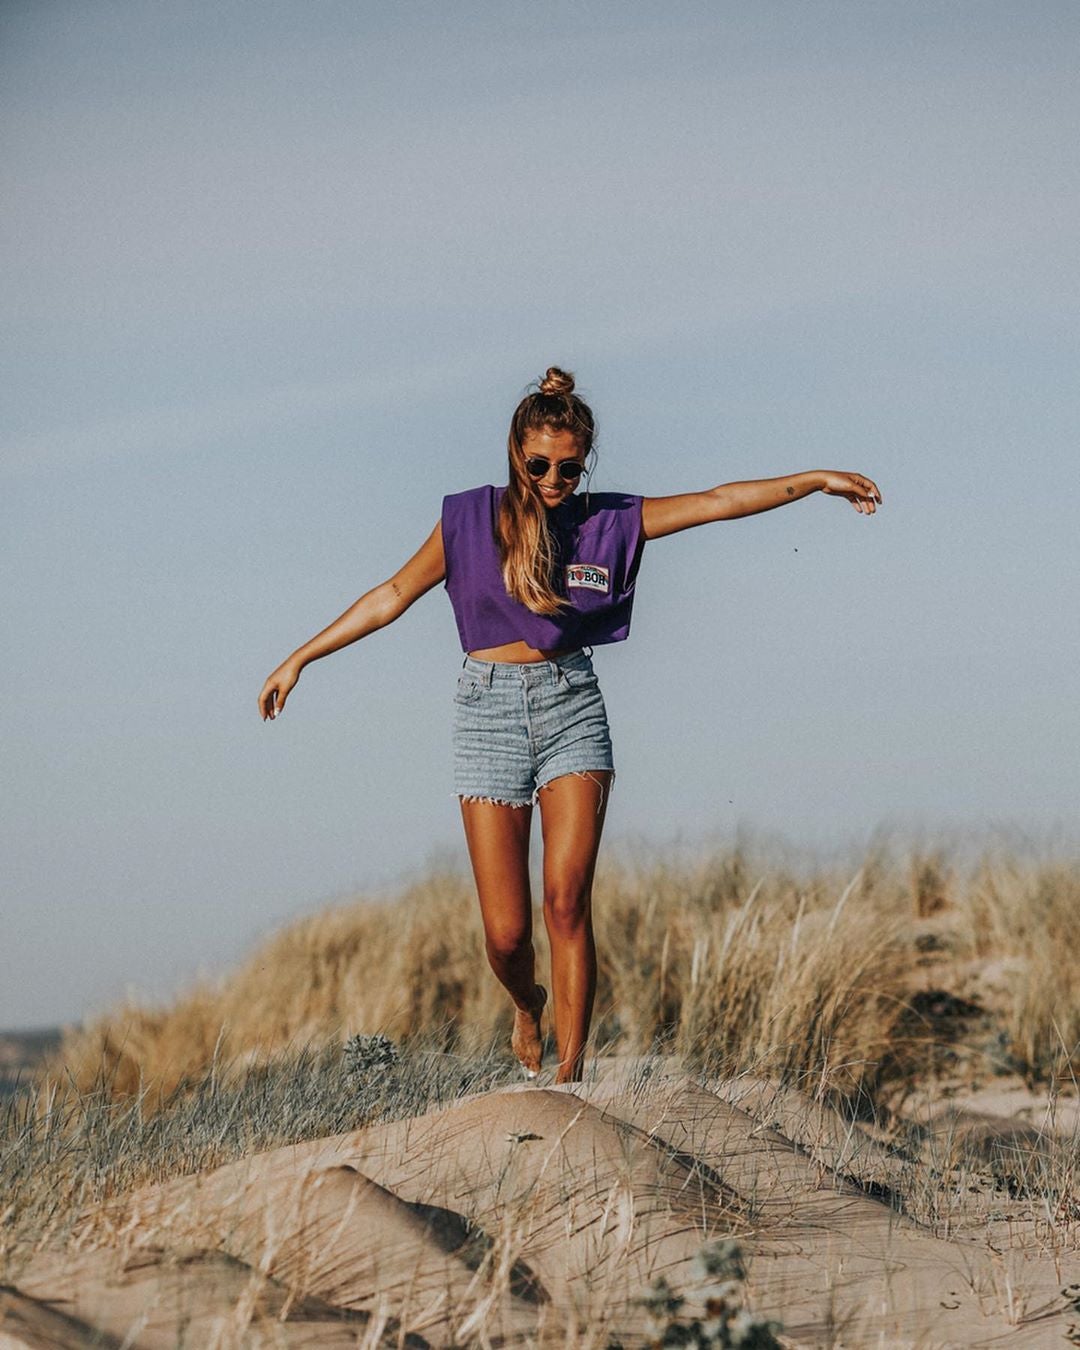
(569, 469)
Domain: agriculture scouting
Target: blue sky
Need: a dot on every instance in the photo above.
(277, 275)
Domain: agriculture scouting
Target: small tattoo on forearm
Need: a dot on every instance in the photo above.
(790, 491)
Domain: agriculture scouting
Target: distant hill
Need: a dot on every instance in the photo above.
(20, 1051)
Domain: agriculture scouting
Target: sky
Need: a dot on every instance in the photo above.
(275, 277)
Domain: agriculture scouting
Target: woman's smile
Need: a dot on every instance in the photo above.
(554, 447)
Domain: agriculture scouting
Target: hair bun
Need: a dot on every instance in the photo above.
(557, 382)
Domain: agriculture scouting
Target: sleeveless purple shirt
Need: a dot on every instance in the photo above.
(598, 553)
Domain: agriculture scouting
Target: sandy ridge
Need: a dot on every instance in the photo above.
(536, 1214)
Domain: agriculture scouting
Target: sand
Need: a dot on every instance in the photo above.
(538, 1215)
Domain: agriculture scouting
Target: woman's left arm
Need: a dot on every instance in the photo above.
(666, 515)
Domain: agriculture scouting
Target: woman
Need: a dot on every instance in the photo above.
(536, 573)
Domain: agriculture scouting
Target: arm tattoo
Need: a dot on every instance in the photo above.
(790, 491)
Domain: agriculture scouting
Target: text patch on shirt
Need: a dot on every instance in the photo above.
(588, 575)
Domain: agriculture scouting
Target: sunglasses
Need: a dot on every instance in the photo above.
(569, 469)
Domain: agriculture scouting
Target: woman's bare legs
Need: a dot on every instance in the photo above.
(572, 810)
(498, 840)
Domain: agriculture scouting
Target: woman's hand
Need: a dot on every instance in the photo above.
(860, 491)
(276, 689)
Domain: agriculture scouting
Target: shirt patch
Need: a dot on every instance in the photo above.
(589, 576)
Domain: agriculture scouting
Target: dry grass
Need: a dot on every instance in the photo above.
(789, 974)
(66, 1149)
(1021, 924)
(747, 962)
(406, 969)
(733, 967)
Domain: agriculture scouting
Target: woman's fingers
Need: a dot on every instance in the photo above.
(866, 494)
(862, 492)
(269, 705)
(276, 690)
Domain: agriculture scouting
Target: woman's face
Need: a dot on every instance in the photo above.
(555, 447)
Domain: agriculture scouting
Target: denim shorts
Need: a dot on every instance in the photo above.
(517, 727)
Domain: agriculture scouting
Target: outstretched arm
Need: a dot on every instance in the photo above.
(380, 606)
(666, 515)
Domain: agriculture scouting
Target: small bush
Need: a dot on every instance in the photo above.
(720, 1271)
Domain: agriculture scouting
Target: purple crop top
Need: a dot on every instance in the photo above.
(598, 554)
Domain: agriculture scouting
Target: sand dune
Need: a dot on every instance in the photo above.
(540, 1214)
(154, 1297)
(831, 1256)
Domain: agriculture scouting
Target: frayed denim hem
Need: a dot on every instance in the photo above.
(580, 773)
(493, 801)
(534, 799)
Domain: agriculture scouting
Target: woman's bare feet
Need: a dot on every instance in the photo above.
(527, 1040)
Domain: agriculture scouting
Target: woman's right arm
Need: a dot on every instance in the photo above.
(384, 604)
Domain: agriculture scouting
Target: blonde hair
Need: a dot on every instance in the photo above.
(526, 552)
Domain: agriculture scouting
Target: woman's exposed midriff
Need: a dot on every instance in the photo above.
(518, 654)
